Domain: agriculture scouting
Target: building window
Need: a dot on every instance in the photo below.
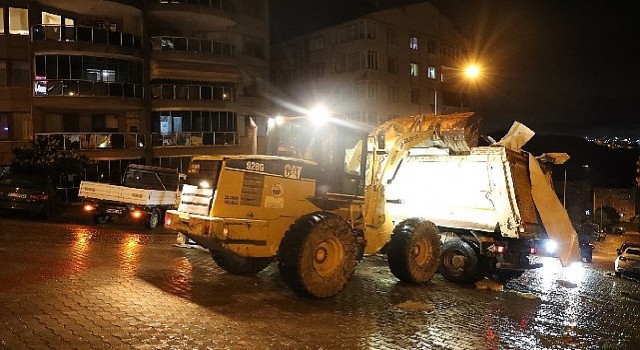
(253, 46)
(431, 46)
(18, 21)
(393, 94)
(316, 43)
(392, 36)
(4, 126)
(414, 69)
(392, 65)
(3, 73)
(372, 60)
(317, 70)
(415, 96)
(50, 18)
(20, 73)
(413, 42)
(431, 73)
(356, 31)
(1, 20)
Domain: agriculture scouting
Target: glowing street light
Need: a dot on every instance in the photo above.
(471, 72)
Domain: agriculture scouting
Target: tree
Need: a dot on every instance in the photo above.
(48, 161)
(606, 216)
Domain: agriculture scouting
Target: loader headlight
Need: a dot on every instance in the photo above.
(550, 246)
(204, 184)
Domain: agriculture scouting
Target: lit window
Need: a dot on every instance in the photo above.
(431, 72)
(414, 69)
(18, 21)
(413, 43)
(1, 20)
(50, 18)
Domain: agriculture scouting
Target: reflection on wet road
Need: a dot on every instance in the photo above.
(77, 286)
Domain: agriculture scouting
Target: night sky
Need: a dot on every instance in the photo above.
(560, 67)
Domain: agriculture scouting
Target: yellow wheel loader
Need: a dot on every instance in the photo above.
(251, 210)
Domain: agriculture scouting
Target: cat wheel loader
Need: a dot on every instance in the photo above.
(250, 210)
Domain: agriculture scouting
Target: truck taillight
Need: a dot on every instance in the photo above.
(88, 207)
(167, 221)
(136, 214)
(497, 249)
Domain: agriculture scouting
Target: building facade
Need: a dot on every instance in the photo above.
(146, 81)
(397, 62)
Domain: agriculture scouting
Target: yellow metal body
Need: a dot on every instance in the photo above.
(257, 198)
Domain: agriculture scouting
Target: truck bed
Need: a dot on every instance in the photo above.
(126, 195)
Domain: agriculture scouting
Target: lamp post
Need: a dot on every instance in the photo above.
(470, 72)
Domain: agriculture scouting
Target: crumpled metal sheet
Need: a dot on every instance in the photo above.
(457, 131)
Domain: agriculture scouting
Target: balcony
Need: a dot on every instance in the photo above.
(181, 44)
(91, 140)
(192, 92)
(223, 5)
(66, 33)
(86, 88)
(195, 138)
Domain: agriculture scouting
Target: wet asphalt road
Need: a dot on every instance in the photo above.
(78, 286)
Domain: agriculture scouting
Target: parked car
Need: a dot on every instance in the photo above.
(626, 244)
(628, 261)
(617, 230)
(28, 194)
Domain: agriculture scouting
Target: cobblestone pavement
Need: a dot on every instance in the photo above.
(75, 286)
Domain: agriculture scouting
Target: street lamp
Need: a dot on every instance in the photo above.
(470, 72)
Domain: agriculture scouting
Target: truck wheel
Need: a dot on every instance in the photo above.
(414, 250)
(236, 264)
(318, 255)
(154, 219)
(101, 218)
(459, 262)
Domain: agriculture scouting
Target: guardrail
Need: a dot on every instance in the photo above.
(195, 138)
(224, 5)
(91, 140)
(58, 32)
(77, 87)
(173, 43)
(191, 92)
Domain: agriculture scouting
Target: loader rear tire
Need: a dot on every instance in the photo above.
(414, 250)
(318, 255)
(459, 262)
(236, 264)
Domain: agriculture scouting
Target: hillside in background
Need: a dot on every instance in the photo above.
(602, 166)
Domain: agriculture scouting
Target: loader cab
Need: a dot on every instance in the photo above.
(204, 172)
(332, 146)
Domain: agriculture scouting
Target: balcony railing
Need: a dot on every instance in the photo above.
(73, 87)
(57, 32)
(170, 43)
(195, 138)
(191, 92)
(89, 141)
(224, 5)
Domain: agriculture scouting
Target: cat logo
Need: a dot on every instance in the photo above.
(292, 171)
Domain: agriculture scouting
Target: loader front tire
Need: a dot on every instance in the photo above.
(236, 264)
(414, 250)
(318, 255)
(459, 262)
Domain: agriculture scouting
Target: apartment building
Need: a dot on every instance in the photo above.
(146, 81)
(396, 62)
